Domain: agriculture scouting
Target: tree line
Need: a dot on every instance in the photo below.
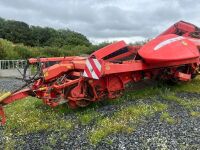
(18, 40)
(21, 32)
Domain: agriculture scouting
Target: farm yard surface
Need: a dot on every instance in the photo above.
(150, 115)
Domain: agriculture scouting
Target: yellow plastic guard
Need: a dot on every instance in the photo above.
(4, 96)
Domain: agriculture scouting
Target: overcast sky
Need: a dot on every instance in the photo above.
(102, 20)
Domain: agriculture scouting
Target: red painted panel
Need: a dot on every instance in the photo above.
(168, 48)
(99, 54)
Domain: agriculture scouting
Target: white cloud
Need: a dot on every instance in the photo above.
(104, 19)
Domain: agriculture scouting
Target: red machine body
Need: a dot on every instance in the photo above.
(169, 48)
(79, 81)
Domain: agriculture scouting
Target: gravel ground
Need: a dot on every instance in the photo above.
(150, 134)
(7, 84)
(154, 134)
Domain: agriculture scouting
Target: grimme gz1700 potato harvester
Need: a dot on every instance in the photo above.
(79, 81)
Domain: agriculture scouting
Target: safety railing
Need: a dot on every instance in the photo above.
(12, 68)
(12, 64)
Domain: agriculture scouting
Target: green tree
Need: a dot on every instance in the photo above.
(20, 32)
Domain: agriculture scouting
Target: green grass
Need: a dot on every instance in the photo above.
(30, 115)
(86, 117)
(9, 143)
(165, 116)
(188, 104)
(191, 86)
(148, 92)
(195, 114)
(52, 139)
(121, 120)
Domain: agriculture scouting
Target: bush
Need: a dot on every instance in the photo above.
(23, 52)
(8, 50)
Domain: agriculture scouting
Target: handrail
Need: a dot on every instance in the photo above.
(12, 64)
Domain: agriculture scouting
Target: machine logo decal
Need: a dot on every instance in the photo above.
(166, 42)
(92, 68)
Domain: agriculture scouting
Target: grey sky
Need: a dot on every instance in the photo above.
(103, 20)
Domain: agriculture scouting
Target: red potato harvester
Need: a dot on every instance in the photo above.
(79, 81)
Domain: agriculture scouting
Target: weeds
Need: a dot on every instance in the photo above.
(121, 120)
(86, 117)
(187, 104)
(195, 114)
(165, 116)
(26, 117)
(30, 115)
